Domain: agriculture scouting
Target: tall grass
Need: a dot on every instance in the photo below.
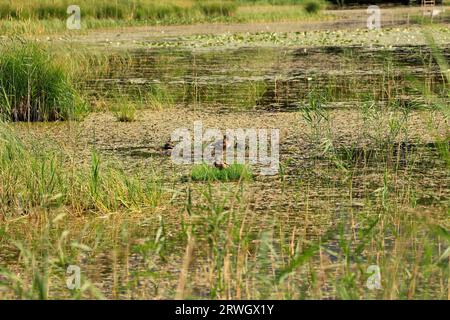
(44, 262)
(36, 178)
(34, 86)
(213, 8)
(124, 111)
(313, 6)
(157, 97)
(121, 9)
(247, 255)
(47, 17)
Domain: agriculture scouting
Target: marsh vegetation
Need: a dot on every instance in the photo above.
(37, 17)
(363, 178)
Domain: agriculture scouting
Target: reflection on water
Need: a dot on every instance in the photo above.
(275, 78)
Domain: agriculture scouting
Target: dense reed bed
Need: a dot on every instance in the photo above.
(47, 17)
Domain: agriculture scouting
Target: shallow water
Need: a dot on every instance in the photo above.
(311, 195)
(275, 78)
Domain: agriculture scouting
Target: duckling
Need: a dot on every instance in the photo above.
(221, 165)
(168, 146)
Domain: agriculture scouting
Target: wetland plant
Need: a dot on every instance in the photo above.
(125, 112)
(44, 262)
(316, 117)
(158, 97)
(44, 181)
(312, 6)
(213, 8)
(34, 86)
(147, 10)
(234, 172)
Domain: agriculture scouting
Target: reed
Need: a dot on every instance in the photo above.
(34, 85)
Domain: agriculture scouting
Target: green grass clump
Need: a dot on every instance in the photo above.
(125, 112)
(34, 86)
(312, 6)
(217, 8)
(157, 97)
(234, 172)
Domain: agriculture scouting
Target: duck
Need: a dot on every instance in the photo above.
(168, 146)
(221, 165)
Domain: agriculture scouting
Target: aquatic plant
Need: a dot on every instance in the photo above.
(34, 86)
(44, 182)
(124, 112)
(233, 172)
(312, 6)
(214, 8)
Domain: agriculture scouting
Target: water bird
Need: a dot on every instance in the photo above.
(168, 146)
(221, 165)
